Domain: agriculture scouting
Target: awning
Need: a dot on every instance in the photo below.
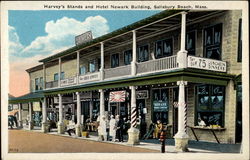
(30, 97)
(187, 74)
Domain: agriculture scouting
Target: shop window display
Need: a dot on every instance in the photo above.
(160, 105)
(210, 104)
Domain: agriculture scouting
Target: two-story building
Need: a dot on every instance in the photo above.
(180, 67)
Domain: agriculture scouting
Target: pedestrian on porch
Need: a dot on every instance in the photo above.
(103, 125)
(112, 128)
(120, 125)
(158, 129)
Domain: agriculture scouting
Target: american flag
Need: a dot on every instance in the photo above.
(117, 96)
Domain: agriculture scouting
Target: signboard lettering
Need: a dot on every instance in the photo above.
(68, 81)
(206, 64)
(90, 77)
(83, 38)
(143, 94)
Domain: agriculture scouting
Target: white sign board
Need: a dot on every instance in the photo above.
(64, 99)
(207, 64)
(68, 81)
(83, 38)
(89, 77)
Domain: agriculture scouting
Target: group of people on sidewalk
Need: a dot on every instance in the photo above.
(113, 128)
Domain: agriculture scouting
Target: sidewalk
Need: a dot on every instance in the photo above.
(193, 146)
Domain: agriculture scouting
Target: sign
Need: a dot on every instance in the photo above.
(68, 81)
(117, 96)
(84, 96)
(143, 94)
(64, 99)
(89, 77)
(36, 107)
(207, 64)
(83, 38)
(160, 106)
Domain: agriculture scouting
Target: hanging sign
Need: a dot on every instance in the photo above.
(143, 94)
(117, 96)
(64, 99)
(207, 64)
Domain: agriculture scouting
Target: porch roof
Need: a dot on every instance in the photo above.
(165, 20)
(187, 74)
(30, 97)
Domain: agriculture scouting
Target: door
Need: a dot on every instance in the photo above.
(175, 110)
(238, 136)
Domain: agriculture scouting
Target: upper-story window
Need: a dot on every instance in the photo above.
(143, 53)
(127, 57)
(56, 77)
(82, 70)
(114, 60)
(36, 84)
(213, 41)
(164, 48)
(240, 41)
(190, 42)
(62, 75)
(41, 83)
(92, 66)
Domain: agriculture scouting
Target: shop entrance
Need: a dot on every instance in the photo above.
(119, 108)
(239, 114)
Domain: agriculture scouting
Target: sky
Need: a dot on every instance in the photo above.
(34, 35)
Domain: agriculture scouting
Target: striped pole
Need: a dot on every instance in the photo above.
(133, 106)
(185, 117)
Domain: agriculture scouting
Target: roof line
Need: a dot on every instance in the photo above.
(124, 30)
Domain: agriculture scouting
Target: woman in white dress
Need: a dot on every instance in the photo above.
(112, 128)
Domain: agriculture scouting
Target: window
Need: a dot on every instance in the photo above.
(164, 48)
(36, 84)
(212, 42)
(114, 60)
(210, 104)
(56, 77)
(127, 57)
(160, 105)
(240, 41)
(82, 70)
(41, 83)
(92, 66)
(62, 76)
(143, 53)
(190, 43)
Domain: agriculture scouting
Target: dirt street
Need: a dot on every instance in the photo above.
(28, 141)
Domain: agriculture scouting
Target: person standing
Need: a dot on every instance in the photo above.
(112, 128)
(120, 124)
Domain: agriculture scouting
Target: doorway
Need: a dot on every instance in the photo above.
(238, 133)
(175, 110)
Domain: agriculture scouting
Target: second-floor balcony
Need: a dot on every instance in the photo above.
(142, 68)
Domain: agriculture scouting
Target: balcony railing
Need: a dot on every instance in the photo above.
(162, 64)
(117, 72)
(152, 66)
(51, 84)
